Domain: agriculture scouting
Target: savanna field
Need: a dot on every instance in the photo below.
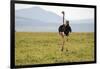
(45, 48)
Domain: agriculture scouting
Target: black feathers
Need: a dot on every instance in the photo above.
(65, 29)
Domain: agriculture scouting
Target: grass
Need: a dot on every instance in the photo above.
(44, 48)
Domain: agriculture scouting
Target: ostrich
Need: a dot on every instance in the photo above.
(64, 30)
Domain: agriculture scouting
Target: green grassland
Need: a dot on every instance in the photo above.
(45, 48)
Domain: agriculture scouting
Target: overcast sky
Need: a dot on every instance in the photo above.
(71, 13)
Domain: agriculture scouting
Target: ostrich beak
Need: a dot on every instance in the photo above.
(62, 12)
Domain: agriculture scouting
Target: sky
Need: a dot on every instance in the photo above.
(71, 13)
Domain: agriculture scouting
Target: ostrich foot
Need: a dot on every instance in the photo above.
(62, 49)
(66, 50)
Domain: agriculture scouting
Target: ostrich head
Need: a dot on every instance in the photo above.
(63, 12)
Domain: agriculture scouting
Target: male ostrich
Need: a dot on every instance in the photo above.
(64, 30)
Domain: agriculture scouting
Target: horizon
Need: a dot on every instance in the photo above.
(54, 28)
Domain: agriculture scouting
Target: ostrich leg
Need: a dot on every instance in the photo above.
(63, 43)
